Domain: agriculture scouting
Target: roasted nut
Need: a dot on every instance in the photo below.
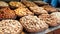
(40, 3)
(10, 27)
(55, 18)
(50, 8)
(44, 17)
(52, 20)
(23, 33)
(16, 4)
(3, 4)
(29, 3)
(38, 10)
(7, 13)
(23, 11)
(33, 24)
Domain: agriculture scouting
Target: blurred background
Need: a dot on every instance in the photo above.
(54, 3)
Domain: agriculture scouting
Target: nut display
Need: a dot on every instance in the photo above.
(21, 11)
(10, 27)
(28, 17)
(7, 13)
(16, 4)
(38, 10)
(33, 23)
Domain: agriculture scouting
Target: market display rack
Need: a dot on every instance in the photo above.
(43, 32)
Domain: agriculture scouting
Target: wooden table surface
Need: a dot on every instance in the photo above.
(55, 32)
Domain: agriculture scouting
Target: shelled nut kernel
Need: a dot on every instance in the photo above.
(10, 27)
(33, 24)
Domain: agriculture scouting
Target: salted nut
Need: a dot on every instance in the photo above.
(10, 27)
(33, 24)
